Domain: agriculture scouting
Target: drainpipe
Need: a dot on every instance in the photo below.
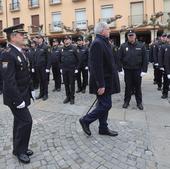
(93, 12)
(44, 18)
(6, 8)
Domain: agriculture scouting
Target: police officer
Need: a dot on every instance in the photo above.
(133, 58)
(69, 64)
(158, 72)
(83, 65)
(42, 64)
(55, 62)
(17, 90)
(163, 60)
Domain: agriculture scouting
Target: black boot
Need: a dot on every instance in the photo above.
(39, 96)
(164, 96)
(45, 97)
(85, 126)
(78, 90)
(66, 100)
(125, 105)
(140, 106)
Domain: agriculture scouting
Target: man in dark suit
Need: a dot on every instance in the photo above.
(104, 80)
(17, 90)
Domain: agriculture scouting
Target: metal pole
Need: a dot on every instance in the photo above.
(93, 13)
(154, 14)
(44, 19)
(6, 6)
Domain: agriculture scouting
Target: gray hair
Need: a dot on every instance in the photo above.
(100, 27)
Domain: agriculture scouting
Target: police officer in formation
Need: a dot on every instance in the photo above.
(83, 65)
(69, 67)
(157, 71)
(17, 90)
(163, 61)
(132, 55)
(42, 64)
(55, 63)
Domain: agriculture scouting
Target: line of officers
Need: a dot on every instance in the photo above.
(69, 61)
(160, 57)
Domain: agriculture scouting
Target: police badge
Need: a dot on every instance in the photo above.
(127, 49)
(19, 59)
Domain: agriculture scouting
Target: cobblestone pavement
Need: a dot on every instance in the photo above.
(58, 141)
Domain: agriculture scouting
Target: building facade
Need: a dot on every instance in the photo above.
(50, 16)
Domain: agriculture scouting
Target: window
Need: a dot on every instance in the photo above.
(55, 1)
(16, 21)
(137, 15)
(106, 12)
(80, 16)
(56, 21)
(166, 10)
(0, 5)
(35, 23)
(33, 3)
(15, 5)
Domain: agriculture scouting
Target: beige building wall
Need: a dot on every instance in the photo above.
(67, 9)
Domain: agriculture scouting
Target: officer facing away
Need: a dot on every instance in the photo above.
(132, 55)
(17, 90)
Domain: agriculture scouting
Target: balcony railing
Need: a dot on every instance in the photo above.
(33, 4)
(111, 25)
(56, 27)
(14, 6)
(137, 19)
(165, 17)
(33, 29)
(55, 2)
(82, 25)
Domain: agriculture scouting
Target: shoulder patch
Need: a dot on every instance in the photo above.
(4, 65)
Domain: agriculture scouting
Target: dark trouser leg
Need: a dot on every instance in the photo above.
(137, 80)
(22, 129)
(66, 83)
(58, 81)
(39, 72)
(154, 79)
(103, 106)
(72, 83)
(165, 84)
(128, 85)
(78, 77)
(1, 82)
(44, 80)
(159, 77)
(54, 71)
(36, 78)
(85, 78)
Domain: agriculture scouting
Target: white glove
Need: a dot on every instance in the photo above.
(76, 71)
(47, 70)
(86, 68)
(22, 105)
(142, 74)
(156, 64)
(61, 71)
(122, 73)
(168, 76)
(162, 68)
(33, 95)
(32, 70)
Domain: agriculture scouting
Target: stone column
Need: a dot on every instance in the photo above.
(153, 34)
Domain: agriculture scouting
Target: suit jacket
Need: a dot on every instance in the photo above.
(17, 85)
(103, 70)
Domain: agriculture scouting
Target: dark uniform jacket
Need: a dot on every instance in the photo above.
(55, 56)
(42, 57)
(103, 71)
(31, 55)
(166, 57)
(69, 58)
(83, 56)
(133, 56)
(16, 76)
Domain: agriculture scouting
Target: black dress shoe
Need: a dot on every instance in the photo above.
(83, 91)
(154, 82)
(28, 153)
(39, 97)
(140, 106)
(54, 90)
(125, 105)
(45, 97)
(108, 132)
(85, 127)
(23, 158)
(72, 101)
(164, 96)
(66, 100)
(78, 91)
(159, 88)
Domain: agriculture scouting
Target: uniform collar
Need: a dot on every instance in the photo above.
(19, 49)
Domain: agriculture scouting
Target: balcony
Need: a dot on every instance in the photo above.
(165, 17)
(56, 27)
(134, 20)
(111, 25)
(77, 0)
(14, 7)
(33, 4)
(33, 29)
(82, 25)
(55, 2)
